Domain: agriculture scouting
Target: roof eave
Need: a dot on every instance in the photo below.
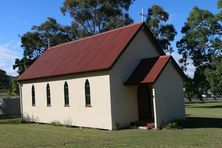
(60, 75)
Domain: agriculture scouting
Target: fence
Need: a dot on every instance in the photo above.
(10, 106)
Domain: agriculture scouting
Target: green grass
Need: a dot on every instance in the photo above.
(203, 128)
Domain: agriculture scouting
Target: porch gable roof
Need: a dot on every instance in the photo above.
(148, 70)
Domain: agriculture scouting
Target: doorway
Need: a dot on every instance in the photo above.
(145, 103)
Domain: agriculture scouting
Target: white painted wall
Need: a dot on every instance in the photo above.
(124, 98)
(97, 116)
(169, 96)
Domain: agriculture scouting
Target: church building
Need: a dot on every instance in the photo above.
(106, 81)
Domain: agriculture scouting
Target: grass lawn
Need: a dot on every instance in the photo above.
(203, 128)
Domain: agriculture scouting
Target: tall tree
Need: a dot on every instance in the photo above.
(219, 4)
(202, 39)
(157, 20)
(14, 87)
(214, 76)
(95, 16)
(214, 72)
(4, 80)
(190, 89)
(35, 42)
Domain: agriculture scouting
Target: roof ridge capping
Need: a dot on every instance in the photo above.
(99, 34)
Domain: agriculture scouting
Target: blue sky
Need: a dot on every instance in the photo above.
(18, 16)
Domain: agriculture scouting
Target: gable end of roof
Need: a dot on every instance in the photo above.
(149, 35)
(148, 70)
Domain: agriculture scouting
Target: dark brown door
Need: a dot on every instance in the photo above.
(145, 108)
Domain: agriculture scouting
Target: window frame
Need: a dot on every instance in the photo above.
(66, 94)
(33, 96)
(87, 94)
(48, 95)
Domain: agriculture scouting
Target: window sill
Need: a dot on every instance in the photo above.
(33, 105)
(88, 106)
(67, 106)
(48, 105)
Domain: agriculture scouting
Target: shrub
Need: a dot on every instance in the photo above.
(116, 125)
(175, 124)
(56, 123)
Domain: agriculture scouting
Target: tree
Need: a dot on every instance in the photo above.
(4, 80)
(213, 73)
(219, 4)
(214, 76)
(157, 21)
(95, 16)
(35, 42)
(14, 87)
(202, 39)
(89, 17)
(190, 89)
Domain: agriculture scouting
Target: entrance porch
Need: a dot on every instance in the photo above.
(145, 106)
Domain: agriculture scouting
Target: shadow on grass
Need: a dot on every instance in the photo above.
(10, 119)
(202, 122)
(4, 117)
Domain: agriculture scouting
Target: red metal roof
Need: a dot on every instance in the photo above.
(156, 69)
(148, 70)
(98, 52)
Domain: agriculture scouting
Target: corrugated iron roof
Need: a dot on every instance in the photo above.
(92, 53)
(148, 70)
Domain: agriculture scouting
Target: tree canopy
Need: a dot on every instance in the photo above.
(4, 80)
(157, 21)
(35, 42)
(219, 4)
(202, 37)
(214, 76)
(94, 16)
(201, 45)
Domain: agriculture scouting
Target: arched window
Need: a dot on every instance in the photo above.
(33, 95)
(87, 93)
(66, 94)
(48, 95)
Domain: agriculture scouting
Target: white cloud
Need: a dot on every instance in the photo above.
(190, 68)
(8, 53)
